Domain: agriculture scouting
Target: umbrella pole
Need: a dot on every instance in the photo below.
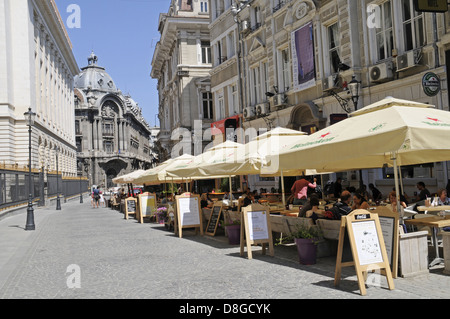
(397, 191)
(282, 189)
(231, 191)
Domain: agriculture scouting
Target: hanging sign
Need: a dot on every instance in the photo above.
(431, 84)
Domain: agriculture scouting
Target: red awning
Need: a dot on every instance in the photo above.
(219, 127)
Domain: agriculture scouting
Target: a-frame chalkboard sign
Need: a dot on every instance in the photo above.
(367, 245)
(214, 219)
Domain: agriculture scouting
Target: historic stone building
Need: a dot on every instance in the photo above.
(112, 137)
(292, 61)
(181, 64)
(37, 67)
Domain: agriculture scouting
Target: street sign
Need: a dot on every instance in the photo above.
(431, 5)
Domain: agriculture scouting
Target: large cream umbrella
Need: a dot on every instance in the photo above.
(128, 178)
(397, 135)
(388, 102)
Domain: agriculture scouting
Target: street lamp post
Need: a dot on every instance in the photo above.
(354, 86)
(58, 202)
(80, 171)
(29, 117)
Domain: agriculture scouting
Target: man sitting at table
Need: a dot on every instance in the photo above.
(341, 208)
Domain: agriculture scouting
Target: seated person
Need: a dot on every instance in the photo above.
(248, 200)
(442, 197)
(393, 201)
(204, 202)
(341, 208)
(360, 202)
(313, 200)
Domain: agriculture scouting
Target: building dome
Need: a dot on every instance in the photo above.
(94, 77)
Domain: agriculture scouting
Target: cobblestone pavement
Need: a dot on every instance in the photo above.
(122, 259)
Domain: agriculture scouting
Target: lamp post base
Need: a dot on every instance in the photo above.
(58, 203)
(30, 218)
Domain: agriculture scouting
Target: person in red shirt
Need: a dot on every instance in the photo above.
(300, 190)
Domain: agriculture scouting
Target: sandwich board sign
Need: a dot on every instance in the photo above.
(130, 206)
(367, 245)
(147, 205)
(189, 214)
(214, 219)
(255, 229)
(390, 228)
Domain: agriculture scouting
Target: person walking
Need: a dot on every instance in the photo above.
(96, 196)
(300, 190)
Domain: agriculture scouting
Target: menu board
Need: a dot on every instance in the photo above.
(367, 243)
(188, 212)
(256, 221)
(257, 225)
(130, 206)
(214, 219)
(147, 205)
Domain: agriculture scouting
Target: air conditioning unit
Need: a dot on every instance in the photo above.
(278, 100)
(262, 109)
(249, 112)
(381, 72)
(407, 60)
(331, 82)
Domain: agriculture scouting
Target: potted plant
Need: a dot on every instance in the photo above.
(306, 238)
(161, 215)
(233, 230)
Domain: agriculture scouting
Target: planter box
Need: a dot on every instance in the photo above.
(446, 243)
(413, 253)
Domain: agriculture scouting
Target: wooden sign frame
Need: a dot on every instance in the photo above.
(131, 199)
(260, 215)
(369, 253)
(213, 218)
(143, 210)
(389, 222)
(180, 222)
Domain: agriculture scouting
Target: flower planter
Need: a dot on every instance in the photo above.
(234, 234)
(307, 251)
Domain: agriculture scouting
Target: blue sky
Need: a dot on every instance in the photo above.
(123, 34)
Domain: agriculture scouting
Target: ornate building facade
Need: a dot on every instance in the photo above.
(292, 61)
(112, 137)
(181, 64)
(37, 67)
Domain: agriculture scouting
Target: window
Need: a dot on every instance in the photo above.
(186, 5)
(256, 85)
(234, 98)
(207, 105)
(384, 34)
(333, 47)
(206, 52)
(108, 129)
(265, 75)
(285, 70)
(108, 146)
(413, 30)
(204, 6)
(221, 107)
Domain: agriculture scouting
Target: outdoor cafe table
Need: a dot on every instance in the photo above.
(433, 208)
(435, 222)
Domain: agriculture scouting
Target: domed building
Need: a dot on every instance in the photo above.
(112, 136)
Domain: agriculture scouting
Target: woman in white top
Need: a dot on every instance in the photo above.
(102, 200)
(442, 197)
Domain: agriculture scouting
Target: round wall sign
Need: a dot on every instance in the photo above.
(431, 84)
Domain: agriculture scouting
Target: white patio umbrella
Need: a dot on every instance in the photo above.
(397, 135)
(128, 178)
